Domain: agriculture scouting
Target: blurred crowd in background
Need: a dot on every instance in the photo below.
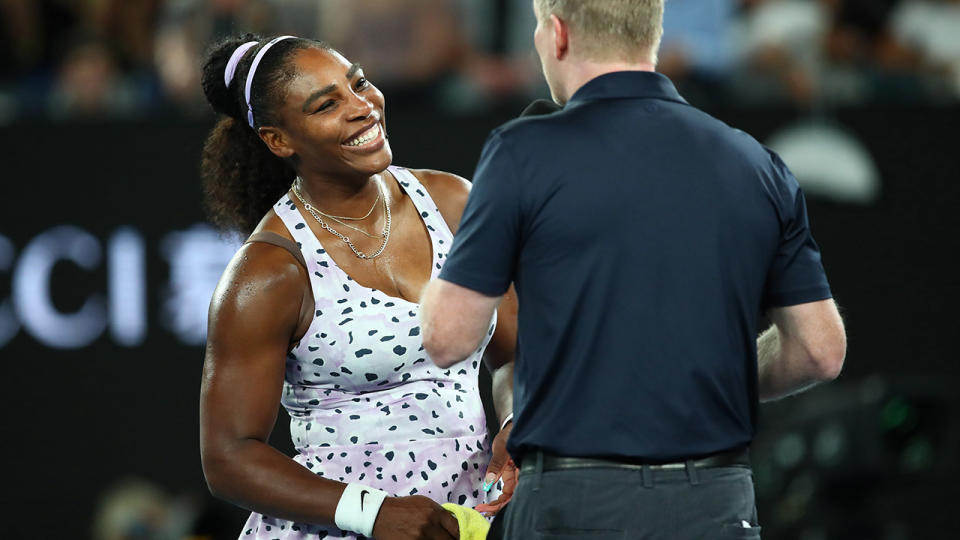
(69, 58)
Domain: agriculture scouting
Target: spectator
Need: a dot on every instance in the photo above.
(34, 33)
(409, 48)
(931, 28)
(504, 65)
(187, 27)
(134, 508)
(89, 83)
(865, 63)
(781, 44)
(697, 47)
(128, 27)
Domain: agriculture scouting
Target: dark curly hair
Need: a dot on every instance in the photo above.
(242, 179)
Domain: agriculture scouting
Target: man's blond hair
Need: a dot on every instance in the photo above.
(623, 30)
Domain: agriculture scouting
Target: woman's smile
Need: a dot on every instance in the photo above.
(369, 140)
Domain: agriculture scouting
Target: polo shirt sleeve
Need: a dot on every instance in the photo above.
(796, 275)
(484, 251)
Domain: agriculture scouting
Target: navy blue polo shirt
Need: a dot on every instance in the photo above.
(645, 239)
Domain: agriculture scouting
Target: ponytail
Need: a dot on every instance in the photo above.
(242, 178)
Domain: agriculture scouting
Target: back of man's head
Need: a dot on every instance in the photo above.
(610, 30)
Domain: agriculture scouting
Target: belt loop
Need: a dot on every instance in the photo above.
(692, 473)
(538, 471)
(647, 476)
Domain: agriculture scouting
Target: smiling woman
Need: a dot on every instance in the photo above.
(318, 311)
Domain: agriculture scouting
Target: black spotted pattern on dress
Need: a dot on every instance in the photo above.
(366, 403)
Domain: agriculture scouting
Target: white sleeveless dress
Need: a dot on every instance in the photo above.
(366, 404)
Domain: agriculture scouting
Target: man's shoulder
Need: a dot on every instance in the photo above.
(531, 131)
(726, 138)
(525, 125)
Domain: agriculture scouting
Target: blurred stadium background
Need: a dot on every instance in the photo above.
(106, 265)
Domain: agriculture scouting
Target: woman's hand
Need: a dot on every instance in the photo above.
(501, 467)
(414, 518)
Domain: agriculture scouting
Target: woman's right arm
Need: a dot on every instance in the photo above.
(255, 312)
(253, 315)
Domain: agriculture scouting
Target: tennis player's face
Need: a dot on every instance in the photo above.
(333, 117)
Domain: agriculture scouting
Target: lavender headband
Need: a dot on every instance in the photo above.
(253, 71)
(234, 60)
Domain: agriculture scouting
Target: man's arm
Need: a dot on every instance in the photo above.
(454, 319)
(456, 308)
(805, 346)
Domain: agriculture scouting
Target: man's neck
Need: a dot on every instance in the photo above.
(584, 72)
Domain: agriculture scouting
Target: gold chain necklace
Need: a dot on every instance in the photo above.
(358, 229)
(314, 212)
(344, 218)
(347, 225)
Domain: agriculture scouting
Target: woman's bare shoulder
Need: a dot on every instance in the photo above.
(260, 267)
(271, 222)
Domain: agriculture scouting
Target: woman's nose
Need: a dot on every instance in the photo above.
(363, 107)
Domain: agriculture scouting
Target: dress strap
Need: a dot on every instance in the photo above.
(268, 237)
(429, 211)
(440, 236)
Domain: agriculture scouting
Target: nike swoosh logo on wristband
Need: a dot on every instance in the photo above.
(362, 493)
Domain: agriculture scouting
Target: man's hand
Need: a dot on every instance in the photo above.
(501, 467)
(414, 518)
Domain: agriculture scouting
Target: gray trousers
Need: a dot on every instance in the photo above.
(631, 504)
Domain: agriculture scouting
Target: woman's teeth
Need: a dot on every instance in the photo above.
(366, 137)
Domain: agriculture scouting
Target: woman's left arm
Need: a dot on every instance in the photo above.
(499, 359)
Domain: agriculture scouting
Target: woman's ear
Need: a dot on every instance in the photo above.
(276, 141)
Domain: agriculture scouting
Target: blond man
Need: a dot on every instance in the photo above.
(645, 239)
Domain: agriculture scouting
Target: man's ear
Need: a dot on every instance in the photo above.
(561, 37)
(276, 142)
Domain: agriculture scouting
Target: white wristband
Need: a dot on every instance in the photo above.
(505, 421)
(358, 508)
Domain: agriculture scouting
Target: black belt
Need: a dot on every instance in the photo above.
(731, 458)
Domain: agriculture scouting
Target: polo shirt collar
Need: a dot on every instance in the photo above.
(628, 84)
